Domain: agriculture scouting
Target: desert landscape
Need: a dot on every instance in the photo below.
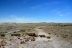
(36, 35)
(35, 23)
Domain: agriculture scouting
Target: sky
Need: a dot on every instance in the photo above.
(25, 11)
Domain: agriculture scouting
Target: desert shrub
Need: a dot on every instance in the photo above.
(48, 37)
(15, 34)
(2, 35)
(22, 30)
(49, 33)
(42, 35)
(22, 42)
(64, 36)
(32, 34)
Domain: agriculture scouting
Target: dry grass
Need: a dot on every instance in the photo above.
(26, 32)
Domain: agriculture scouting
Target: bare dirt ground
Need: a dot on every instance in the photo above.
(43, 40)
(53, 42)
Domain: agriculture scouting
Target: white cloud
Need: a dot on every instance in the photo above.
(18, 19)
(13, 18)
(57, 12)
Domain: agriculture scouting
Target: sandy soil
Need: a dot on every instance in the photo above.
(40, 42)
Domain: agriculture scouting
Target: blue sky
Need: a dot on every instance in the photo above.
(36, 11)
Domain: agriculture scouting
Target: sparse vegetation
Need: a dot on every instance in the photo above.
(26, 32)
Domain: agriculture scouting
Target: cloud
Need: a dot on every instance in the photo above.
(18, 19)
(13, 18)
(56, 12)
(59, 13)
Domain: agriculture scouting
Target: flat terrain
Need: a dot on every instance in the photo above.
(35, 35)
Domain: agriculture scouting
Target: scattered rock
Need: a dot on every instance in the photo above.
(48, 37)
(22, 42)
(32, 39)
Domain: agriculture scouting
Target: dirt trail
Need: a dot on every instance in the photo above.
(41, 32)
